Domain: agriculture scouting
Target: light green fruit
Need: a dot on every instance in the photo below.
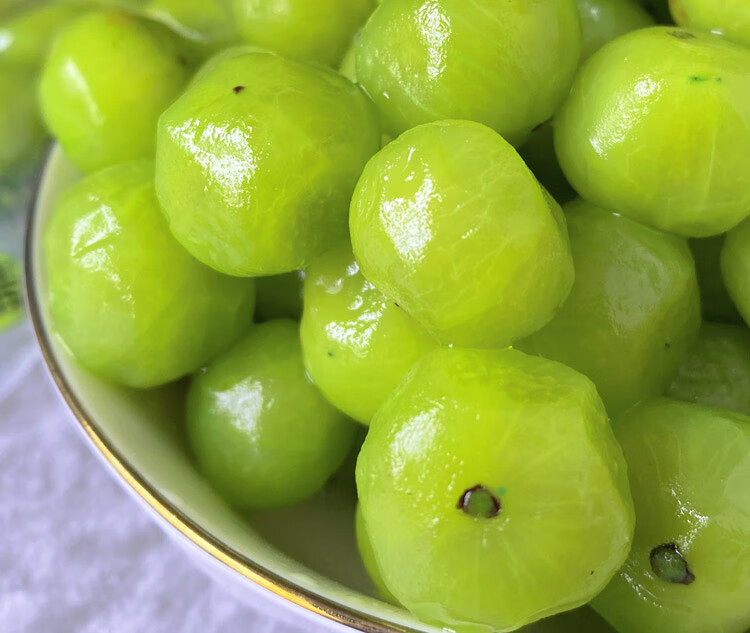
(490, 473)
(505, 64)
(657, 127)
(634, 310)
(735, 268)
(357, 344)
(730, 18)
(279, 296)
(262, 434)
(129, 303)
(689, 569)
(539, 154)
(26, 34)
(257, 160)
(319, 31)
(717, 371)
(107, 79)
(21, 132)
(715, 300)
(604, 20)
(369, 560)
(448, 221)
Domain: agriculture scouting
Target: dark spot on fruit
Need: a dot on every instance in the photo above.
(670, 565)
(592, 573)
(182, 60)
(479, 502)
(682, 35)
(667, 346)
(331, 353)
(718, 80)
(238, 89)
(396, 304)
(698, 78)
(538, 127)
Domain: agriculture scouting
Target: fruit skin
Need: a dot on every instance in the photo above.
(494, 272)
(107, 79)
(604, 20)
(633, 313)
(367, 554)
(622, 147)
(256, 162)
(357, 344)
(428, 60)
(716, 373)
(730, 18)
(263, 435)
(279, 296)
(129, 303)
(690, 477)
(716, 303)
(535, 429)
(22, 135)
(319, 31)
(735, 268)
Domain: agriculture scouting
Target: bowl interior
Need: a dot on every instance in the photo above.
(307, 550)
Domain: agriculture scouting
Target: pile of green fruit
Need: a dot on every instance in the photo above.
(558, 398)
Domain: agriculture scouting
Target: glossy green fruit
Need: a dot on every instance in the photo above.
(490, 473)
(22, 135)
(657, 128)
(539, 154)
(357, 344)
(505, 64)
(279, 296)
(257, 160)
(26, 35)
(367, 554)
(730, 18)
(634, 310)
(604, 20)
(208, 24)
(107, 79)
(689, 569)
(735, 267)
(715, 300)
(263, 435)
(128, 302)
(319, 31)
(717, 371)
(495, 271)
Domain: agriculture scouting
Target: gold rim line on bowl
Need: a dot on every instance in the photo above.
(197, 535)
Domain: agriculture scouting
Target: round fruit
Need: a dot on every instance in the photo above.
(505, 64)
(727, 17)
(490, 473)
(256, 162)
(715, 300)
(279, 296)
(107, 79)
(717, 371)
(319, 31)
(262, 434)
(449, 223)
(735, 267)
(128, 302)
(604, 20)
(656, 128)
(634, 310)
(357, 345)
(689, 569)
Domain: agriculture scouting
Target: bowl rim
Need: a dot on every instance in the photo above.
(173, 516)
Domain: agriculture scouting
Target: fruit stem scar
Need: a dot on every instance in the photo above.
(238, 89)
(682, 35)
(670, 565)
(479, 502)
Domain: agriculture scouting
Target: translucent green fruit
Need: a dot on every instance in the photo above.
(728, 17)
(490, 473)
(21, 132)
(127, 300)
(279, 296)
(107, 79)
(715, 300)
(717, 371)
(262, 434)
(206, 23)
(257, 160)
(367, 554)
(657, 127)
(321, 30)
(634, 310)
(689, 569)
(449, 223)
(357, 343)
(735, 267)
(505, 64)
(605, 20)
